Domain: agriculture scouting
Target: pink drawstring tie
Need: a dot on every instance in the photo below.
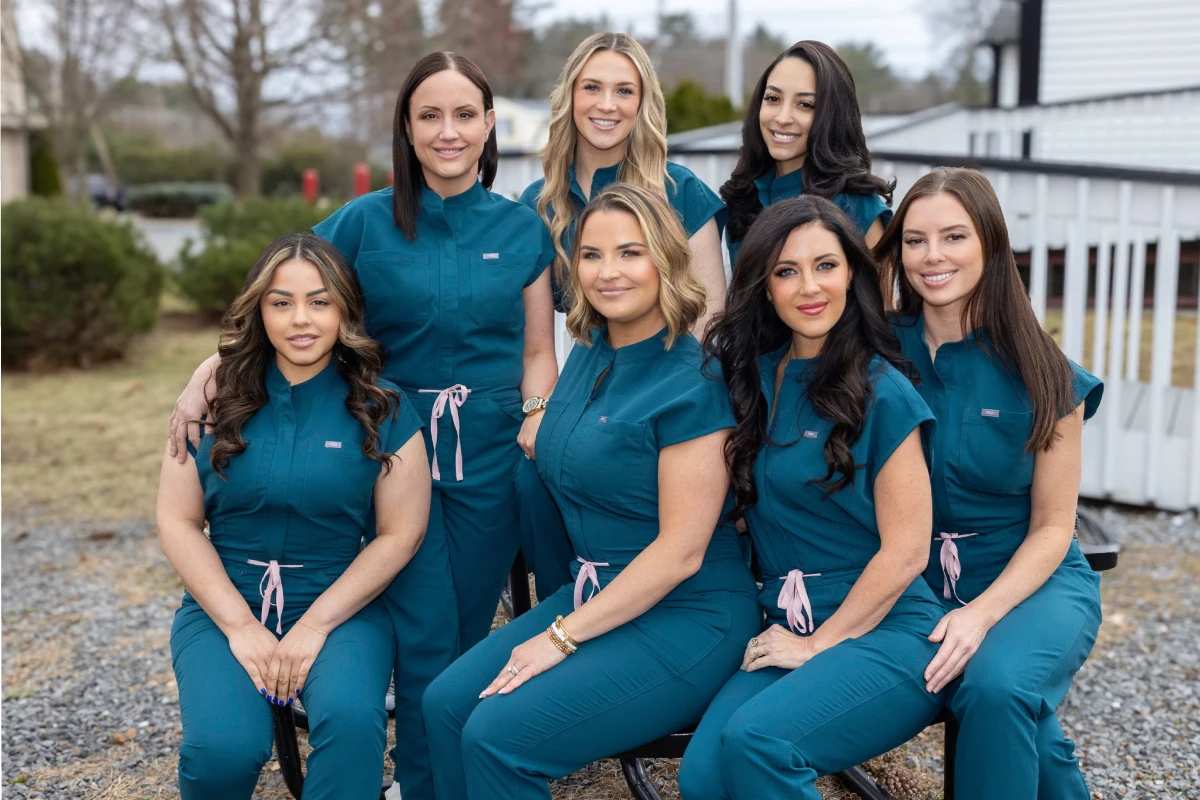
(274, 585)
(793, 598)
(456, 396)
(951, 566)
(587, 572)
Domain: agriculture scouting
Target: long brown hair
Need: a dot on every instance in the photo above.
(406, 168)
(998, 306)
(246, 352)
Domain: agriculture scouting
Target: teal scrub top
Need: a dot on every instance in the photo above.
(302, 492)
(448, 306)
(691, 198)
(863, 209)
(981, 472)
(794, 525)
(598, 448)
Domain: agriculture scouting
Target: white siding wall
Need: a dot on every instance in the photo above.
(1010, 73)
(1101, 47)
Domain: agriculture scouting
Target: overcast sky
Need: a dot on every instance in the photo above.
(898, 27)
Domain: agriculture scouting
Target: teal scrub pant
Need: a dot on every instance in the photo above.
(544, 540)
(227, 726)
(1010, 743)
(773, 732)
(641, 681)
(424, 616)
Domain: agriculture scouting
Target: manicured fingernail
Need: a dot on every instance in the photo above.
(290, 701)
(263, 692)
(270, 699)
(297, 692)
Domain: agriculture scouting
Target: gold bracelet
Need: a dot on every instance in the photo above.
(311, 628)
(562, 636)
(562, 629)
(559, 643)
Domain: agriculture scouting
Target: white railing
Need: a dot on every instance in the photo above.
(1144, 445)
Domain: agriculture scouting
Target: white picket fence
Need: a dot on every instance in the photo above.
(1143, 447)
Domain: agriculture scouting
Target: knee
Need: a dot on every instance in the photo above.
(988, 692)
(444, 705)
(700, 774)
(215, 758)
(347, 718)
(485, 734)
(748, 742)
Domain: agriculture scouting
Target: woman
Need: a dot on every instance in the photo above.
(1022, 606)
(631, 450)
(310, 451)
(608, 122)
(803, 135)
(457, 291)
(831, 479)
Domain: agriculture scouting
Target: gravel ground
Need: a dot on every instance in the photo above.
(90, 705)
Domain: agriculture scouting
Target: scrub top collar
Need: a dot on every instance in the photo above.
(630, 353)
(973, 338)
(471, 197)
(277, 384)
(771, 188)
(600, 178)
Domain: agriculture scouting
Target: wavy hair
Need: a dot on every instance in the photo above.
(246, 352)
(999, 305)
(680, 294)
(839, 387)
(837, 160)
(407, 177)
(645, 161)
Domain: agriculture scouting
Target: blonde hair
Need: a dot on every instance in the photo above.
(680, 294)
(645, 162)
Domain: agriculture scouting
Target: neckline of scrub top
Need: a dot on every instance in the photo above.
(630, 353)
(769, 185)
(276, 382)
(600, 179)
(475, 195)
(971, 338)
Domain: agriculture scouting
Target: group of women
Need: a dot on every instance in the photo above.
(870, 403)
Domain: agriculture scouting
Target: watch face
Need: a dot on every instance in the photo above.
(529, 405)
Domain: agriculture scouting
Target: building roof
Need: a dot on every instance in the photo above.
(1005, 27)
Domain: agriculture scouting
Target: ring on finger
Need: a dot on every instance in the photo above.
(513, 670)
(754, 642)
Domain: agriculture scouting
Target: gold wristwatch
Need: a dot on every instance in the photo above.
(533, 405)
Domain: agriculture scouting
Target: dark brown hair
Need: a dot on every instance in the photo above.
(998, 306)
(246, 352)
(839, 387)
(837, 160)
(406, 169)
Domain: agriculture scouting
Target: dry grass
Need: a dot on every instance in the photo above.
(1183, 362)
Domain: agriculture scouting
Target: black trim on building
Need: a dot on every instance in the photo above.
(1030, 53)
(997, 51)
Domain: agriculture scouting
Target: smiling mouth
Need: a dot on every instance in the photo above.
(812, 309)
(936, 278)
(444, 152)
(785, 138)
(612, 292)
(304, 340)
(604, 124)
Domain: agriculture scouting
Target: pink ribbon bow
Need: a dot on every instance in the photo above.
(587, 572)
(793, 598)
(455, 396)
(274, 585)
(951, 566)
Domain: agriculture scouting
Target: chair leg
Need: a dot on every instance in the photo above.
(288, 750)
(949, 751)
(518, 588)
(859, 782)
(638, 779)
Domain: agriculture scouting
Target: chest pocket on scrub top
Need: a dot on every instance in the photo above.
(400, 289)
(497, 280)
(612, 462)
(338, 481)
(992, 455)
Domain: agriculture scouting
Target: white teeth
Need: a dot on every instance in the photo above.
(942, 278)
(605, 123)
(785, 138)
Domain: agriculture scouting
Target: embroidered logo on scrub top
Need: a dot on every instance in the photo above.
(989, 412)
(604, 419)
(334, 445)
(810, 434)
(487, 256)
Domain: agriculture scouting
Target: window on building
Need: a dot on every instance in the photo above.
(991, 147)
(1027, 144)
(973, 144)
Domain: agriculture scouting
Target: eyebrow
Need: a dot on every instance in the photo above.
(468, 106)
(834, 256)
(618, 83)
(775, 88)
(940, 230)
(285, 293)
(622, 246)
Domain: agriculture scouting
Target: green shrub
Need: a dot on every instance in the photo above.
(689, 107)
(176, 199)
(75, 287)
(44, 179)
(233, 235)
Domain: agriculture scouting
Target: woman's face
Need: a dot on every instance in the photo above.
(617, 275)
(448, 128)
(786, 115)
(300, 318)
(941, 251)
(808, 285)
(605, 100)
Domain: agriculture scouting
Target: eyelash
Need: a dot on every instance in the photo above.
(463, 115)
(774, 98)
(591, 87)
(954, 237)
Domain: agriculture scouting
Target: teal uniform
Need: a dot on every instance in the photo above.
(543, 537)
(448, 308)
(598, 452)
(294, 507)
(771, 732)
(1010, 743)
(862, 209)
